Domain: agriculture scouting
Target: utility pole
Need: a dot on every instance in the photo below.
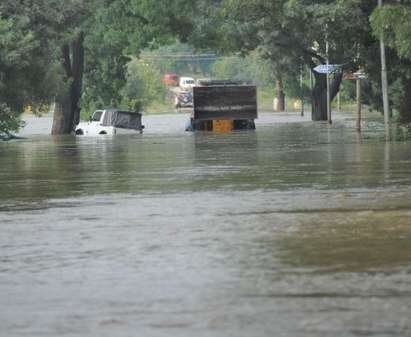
(328, 78)
(384, 80)
(302, 90)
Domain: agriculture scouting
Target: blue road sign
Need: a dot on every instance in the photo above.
(327, 68)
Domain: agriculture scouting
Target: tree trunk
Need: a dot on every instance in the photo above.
(62, 121)
(67, 111)
(319, 97)
(319, 94)
(280, 103)
(405, 105)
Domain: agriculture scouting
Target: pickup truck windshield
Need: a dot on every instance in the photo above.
(96, 116)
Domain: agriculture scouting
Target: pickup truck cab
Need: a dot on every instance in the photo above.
(110, 122)
(186, 83)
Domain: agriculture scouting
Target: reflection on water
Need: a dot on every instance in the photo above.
(296, 229)
(278, 156)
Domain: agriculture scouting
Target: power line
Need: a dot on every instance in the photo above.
(184, 57)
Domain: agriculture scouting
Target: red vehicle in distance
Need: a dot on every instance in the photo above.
(170, 79)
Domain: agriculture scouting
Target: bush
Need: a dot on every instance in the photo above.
(143, 85)
(251, 68)
(9, 121)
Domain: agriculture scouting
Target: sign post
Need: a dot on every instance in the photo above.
(358, 85)
(359, 76)
(339, 101)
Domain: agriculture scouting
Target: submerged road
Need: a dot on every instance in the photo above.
(296, 229)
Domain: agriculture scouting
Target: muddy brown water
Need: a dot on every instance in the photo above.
(296, 229)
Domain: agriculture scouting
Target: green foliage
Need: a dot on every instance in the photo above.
(9, 121)
(32, 34)
(179, 58)
(112, 32)
(143, 85)
(271, 39)
(118, 30)
(393, 22)
(249, 68)
(291, 35)
(230, 68)
(23, 66)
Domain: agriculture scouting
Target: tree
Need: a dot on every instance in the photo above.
(88, 40)
(290, 33)
(392, 22)
(50, 22)
(251, 67)
(106, 33)
(24, 63)
(143, 85)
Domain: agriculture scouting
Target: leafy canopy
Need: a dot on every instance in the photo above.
(393, 22)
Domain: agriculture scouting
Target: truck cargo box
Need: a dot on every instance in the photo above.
(224, 100)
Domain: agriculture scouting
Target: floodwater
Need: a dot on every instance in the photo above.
(296, 229)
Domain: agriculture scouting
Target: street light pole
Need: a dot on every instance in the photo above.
(384, 80)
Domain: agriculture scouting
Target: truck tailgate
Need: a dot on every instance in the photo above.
(228, 102)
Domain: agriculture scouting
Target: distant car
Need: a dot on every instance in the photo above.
(186, 83)
(110, 122)
(170, 79)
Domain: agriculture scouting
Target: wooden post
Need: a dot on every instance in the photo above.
(339, 101)
(280, 94)
(358, 81)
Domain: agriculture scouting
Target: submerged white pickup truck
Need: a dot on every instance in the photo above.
(111, 122)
